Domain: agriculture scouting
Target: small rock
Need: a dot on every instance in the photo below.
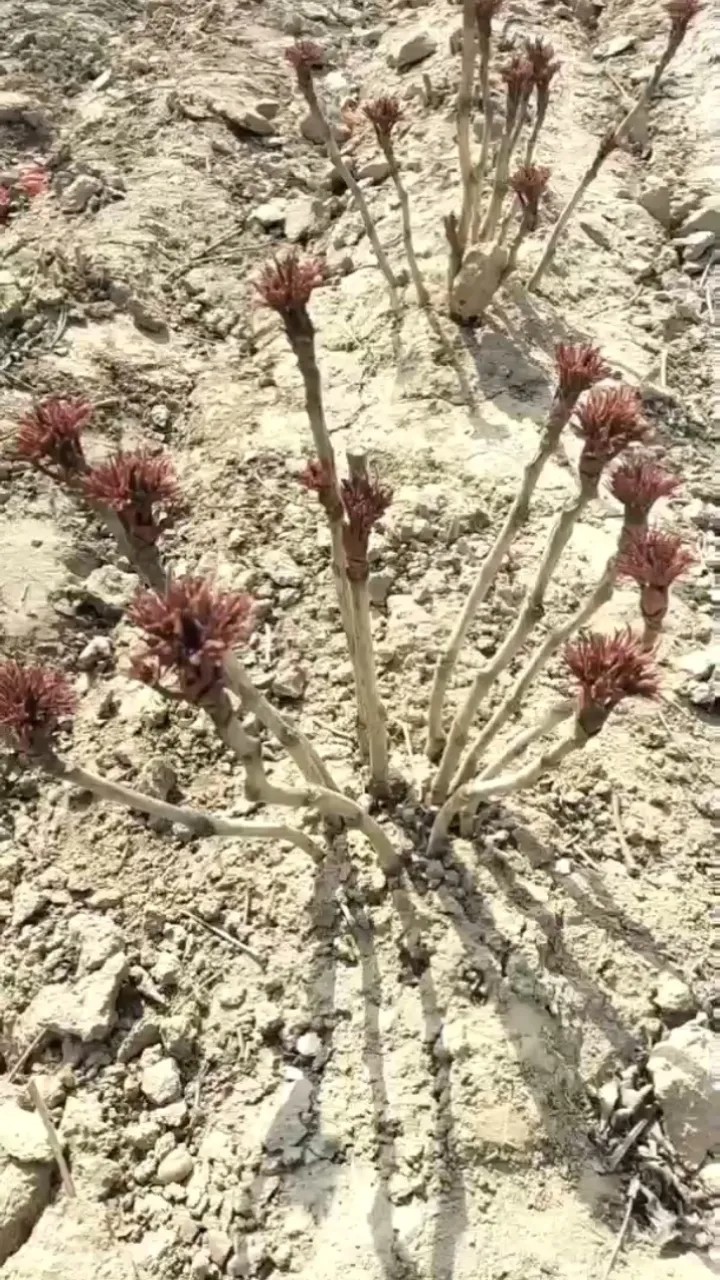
(710, 1177)
(700, 663)
(141, 1036)
(680, 1067)
(695, 245)
(161, 1082)
(167, 969)
(146, 315)
(219, 1246)
(706, 218)
(28, 902)
(240, 115)
(176, 1167)
(281, 569)
(302, 219)
(375, 170)
(594, 228)
(108, 591)
(408, 50)
(96, 1177)
(17, 107)
(656, 201)
(24, 1194)
(97, 652)
(200, 1265)
(379, 587)
(100, 939)
(618, 44)
(267, 107)
(271, 214)
(673, 997)
(23, 1135)
(289, 681)
(312, 130)
(76, 196)
(85, 1010)
(268, 1017)
(308, 1045)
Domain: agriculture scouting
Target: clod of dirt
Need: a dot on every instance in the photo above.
(85, 1010)
(72, 1239)
(24, 1193)
(681, 1071)
(408, 50)
(23, 1135)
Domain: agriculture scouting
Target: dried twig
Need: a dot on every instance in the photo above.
(26, 1054)
(630, 864)
(224, 936)
(632, 1193)
(39, 1103)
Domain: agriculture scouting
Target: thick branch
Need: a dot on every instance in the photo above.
(502, 784)
(201, 824)
(326, 798)
(484, 44)
(389, 152)
(515, 519)
(512, 703)
(308, 89)
(463, 112)
(530, 614)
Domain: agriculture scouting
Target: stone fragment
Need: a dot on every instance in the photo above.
(270, 214)
(161, 1082)
(108, 591)
(100, 938)
(681, 1069)
(76, 196)
(706, 218)
(24, 1194)
(673, 997)
(407, 50)
(175, 1167)
(655, 200)
(23, 1135)
(73, 1239)
(28, 902)
(219, 1246)
(85, 1009)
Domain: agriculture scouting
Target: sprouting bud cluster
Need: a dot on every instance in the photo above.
(519, 78)
(608, 421)
(305, 56)
(579, 366)
(638, 481)
(529, 182)
(134, 485)
(286, 284)
(383, 113)
(608, 668)
(50, 436)
(654, 560)
(365, 501)
(188, 631)
(545, 66)
(33, 701)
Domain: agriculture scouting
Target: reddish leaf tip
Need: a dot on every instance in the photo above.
(654, 558)
(188, 630)
(133, 484)
(609, 421)
(51, 433)
(33, 700)
(286, 284)
(579, 366)
(638, 481)
(608, 668)
(383, 113)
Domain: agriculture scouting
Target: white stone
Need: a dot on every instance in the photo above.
(85, 1010)
(78, 193)
(270, 214)
(219, 1247)
(706, 218)
(161, 1082)
(23, 1135)
(407, 50)
(673, 996)
(100, 938)
(176, 1166)
(28, 902)
(681, 1069)
(309, 1044)
(24, 1193)
(655, 200)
